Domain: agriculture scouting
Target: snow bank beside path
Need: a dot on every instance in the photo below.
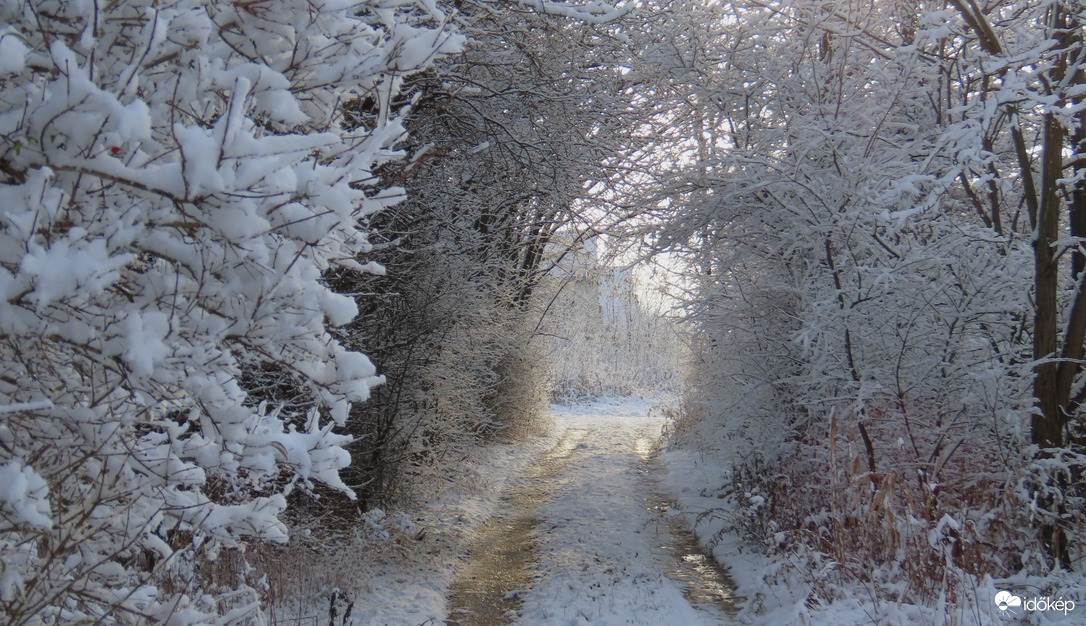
(695, 480)
(774, 591)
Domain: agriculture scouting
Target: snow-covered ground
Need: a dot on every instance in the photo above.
(600, 556)
(600, 552)
(412, 586)
(599, 522)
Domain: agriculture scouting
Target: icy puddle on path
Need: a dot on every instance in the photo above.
(586, 538)
(705, 583)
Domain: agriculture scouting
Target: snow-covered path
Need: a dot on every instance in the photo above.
(605, 549)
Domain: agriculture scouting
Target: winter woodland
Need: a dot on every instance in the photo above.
(276, 273)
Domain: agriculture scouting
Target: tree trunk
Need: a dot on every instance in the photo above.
(1058, 362)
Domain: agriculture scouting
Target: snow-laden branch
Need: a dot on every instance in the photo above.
(176, 180)
(591, 12)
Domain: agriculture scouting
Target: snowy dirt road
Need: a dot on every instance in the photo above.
(586, 536)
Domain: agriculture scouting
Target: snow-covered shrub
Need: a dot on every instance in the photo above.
(175, 177)
(863, 292)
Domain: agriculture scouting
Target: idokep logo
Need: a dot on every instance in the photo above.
(1006, 601)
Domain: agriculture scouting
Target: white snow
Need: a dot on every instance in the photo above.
(598, 546)
(23, 497)
(599, 557)
(12, 53)
(777, 591)
(599, 560)
(147, 270)
(411, 586)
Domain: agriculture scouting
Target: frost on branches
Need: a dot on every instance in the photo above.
(175, 180)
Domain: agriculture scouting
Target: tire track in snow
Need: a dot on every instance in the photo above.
(488, 590)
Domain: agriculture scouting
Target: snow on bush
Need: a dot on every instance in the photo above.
(175, 180)
(866, 295)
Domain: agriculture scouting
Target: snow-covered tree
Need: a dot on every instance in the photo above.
(175, 178)
(1019, 142)
(508, 141)
(854, 212)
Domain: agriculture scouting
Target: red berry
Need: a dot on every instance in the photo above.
(115, 150)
